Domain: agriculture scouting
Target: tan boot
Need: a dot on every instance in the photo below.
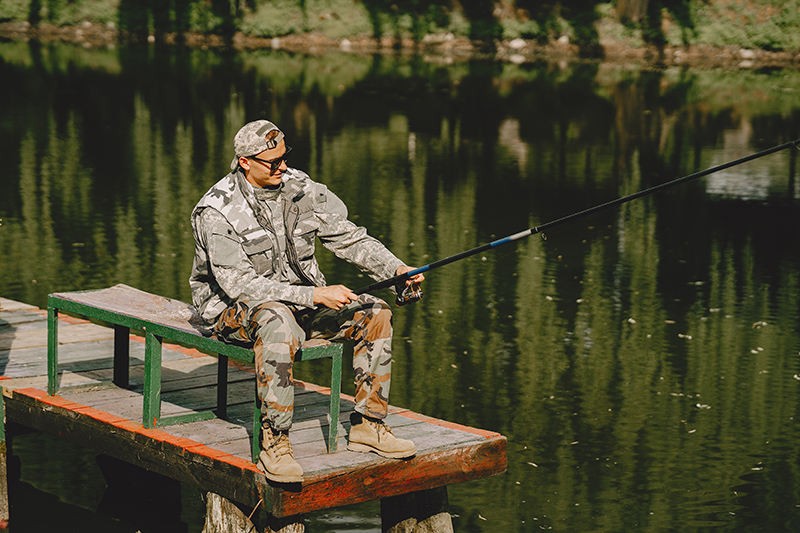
(372, 435)
(276, 459)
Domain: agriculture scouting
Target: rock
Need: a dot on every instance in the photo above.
(517, 44)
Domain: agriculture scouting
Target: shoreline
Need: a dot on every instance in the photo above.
(435, 48)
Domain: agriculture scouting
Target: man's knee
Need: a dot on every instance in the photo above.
(273, 317)
(380, 319)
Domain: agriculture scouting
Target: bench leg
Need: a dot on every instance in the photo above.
(122, 359)
(222, 386)
(256, 446)
(52, 351)
(152, 381)
(336, 388)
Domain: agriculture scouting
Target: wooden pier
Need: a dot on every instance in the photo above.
(215, 455)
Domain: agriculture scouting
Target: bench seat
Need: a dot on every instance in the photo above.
(156, 317)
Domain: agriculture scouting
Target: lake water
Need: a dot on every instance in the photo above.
(643, 362)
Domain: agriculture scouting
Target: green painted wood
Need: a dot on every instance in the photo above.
(255, 450)
(152, 380)
(336, 387)
(321, 351)
(182, 332)
(52, 350)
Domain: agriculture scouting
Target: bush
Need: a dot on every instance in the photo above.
(14, 10)
(67, 13)
(334, 18)
(528, 29)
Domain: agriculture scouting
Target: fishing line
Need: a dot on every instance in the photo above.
(396, 280)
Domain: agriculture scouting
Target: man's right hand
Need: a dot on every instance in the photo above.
(334, 296)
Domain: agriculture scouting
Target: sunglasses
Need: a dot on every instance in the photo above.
(274, 164)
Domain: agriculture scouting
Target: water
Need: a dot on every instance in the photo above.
(642, 362)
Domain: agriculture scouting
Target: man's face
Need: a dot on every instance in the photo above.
(258, 171)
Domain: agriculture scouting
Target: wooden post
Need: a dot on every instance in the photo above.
(52, 350)
(152, 380)
(223, 516)
(122, 356)
(4, 507)
(425, 511)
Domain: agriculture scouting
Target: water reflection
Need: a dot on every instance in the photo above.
(643, 362)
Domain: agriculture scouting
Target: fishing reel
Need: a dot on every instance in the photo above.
(408, 294)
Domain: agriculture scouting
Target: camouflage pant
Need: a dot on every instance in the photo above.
(275, 334)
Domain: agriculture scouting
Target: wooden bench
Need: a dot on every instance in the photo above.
(127, 309)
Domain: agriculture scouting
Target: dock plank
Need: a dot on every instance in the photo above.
(67, 334)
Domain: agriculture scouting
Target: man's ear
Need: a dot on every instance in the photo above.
(244, 163)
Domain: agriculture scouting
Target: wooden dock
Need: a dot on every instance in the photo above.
(215, 455)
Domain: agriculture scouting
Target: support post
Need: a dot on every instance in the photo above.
(222, 386)
(336, 388)
(4, 506)
(152, 380)
(122, 356)
(223, 516)
(52, 350)
(425, 511)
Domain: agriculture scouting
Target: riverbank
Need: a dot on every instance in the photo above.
(435, 48)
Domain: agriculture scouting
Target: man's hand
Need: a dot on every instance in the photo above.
(419, 278)
(334, 296)
(411, 292)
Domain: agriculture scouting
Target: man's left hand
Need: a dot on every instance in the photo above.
(419, 278)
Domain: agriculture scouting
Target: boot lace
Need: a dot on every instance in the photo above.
(382, 429)
(281, 445)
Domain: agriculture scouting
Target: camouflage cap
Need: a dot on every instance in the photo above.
(254, 138)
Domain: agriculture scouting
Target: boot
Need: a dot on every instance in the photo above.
(276, 459)
(372, 435)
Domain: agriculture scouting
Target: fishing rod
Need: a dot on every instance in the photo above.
(412, 295)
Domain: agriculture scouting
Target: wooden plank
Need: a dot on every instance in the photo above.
(11, 305)
(75, 357)
(15, 318)
(68, 333)
(69, 380)
(384, 478)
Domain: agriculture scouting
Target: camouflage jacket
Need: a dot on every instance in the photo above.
(238, 255)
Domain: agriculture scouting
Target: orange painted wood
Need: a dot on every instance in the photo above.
(394, 477)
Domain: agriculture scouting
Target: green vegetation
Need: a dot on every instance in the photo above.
(766, 24)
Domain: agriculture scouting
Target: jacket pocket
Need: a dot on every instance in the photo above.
(224, 250)
(260, 254)
(304, 235)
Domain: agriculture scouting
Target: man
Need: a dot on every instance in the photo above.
(256, 281)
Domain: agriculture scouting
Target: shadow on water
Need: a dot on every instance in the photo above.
(83, 491)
